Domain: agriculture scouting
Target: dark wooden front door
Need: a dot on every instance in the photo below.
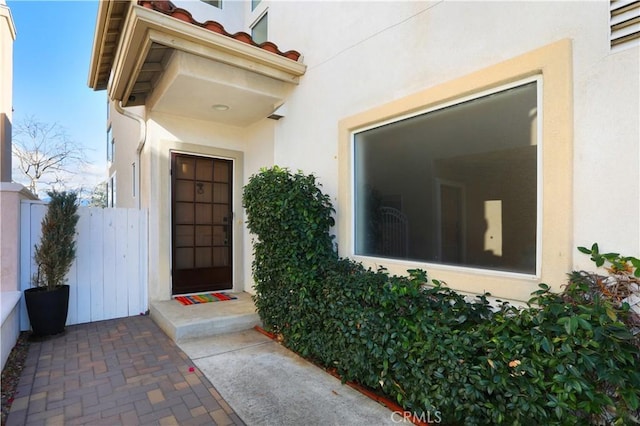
(201, 223)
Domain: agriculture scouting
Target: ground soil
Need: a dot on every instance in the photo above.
(12, 371)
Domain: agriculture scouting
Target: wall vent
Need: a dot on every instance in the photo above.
(624, 22)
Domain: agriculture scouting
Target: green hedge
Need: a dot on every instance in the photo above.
(566, 359)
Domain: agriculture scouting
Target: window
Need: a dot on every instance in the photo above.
(214, 3)
(254, 4)
(453, 204)
(456, 185)
(111, 191)
(624, 22)
(259, 30)
(110, 145)
(133, 180)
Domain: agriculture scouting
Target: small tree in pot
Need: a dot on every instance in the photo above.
(48, 302)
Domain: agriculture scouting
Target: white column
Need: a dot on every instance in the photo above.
(7, 37)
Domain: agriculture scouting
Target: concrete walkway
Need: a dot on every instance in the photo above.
(267, 384)
(118, 372)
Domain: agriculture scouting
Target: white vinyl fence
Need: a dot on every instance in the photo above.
(109, 277)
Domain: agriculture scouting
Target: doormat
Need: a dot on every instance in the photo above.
(194, 299)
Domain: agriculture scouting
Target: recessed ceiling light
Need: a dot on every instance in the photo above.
(220, 107)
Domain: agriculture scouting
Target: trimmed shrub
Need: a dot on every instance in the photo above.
(291, 219)
(567, 358)
(56, 251)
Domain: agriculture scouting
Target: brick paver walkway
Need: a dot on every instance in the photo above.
(116, 372)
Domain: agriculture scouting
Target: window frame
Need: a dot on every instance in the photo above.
(217, 5)
(111, 192)
(110, 145)
(555, 247)
(134, 178)
(263, 15)
(538, 79)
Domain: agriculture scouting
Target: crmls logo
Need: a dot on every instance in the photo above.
(424, 417)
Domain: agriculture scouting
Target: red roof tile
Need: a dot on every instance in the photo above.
(168, 8)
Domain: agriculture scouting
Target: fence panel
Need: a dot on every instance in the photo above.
(109, 276)
(97, 269)
(83, 274)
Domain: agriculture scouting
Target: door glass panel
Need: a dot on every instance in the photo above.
(184, 236)
(204, 169)
(185, 168)
(184, 258)
(203, 192)
(184, 213)
(219, 235)
(203, 257)
(220, 256)
(184, 190)
(221, 193)
(221, 172)
(203, 235)
(203, 214)
(220, 212)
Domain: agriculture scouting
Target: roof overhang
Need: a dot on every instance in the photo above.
(135, 47)
(5, 15)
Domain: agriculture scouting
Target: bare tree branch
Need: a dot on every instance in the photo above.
(45, 151)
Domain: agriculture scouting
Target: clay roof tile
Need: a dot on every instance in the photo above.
(168, 8)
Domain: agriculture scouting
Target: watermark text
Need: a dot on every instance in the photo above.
(428, 417)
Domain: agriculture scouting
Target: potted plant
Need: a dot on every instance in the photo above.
(48, 301)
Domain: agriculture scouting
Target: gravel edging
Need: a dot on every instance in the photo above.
(12, 371)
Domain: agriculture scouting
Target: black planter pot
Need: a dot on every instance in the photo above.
(47, 309)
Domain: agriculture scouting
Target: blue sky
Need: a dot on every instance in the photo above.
(51, 56)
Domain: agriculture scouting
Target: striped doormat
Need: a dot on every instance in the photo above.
(194, 299)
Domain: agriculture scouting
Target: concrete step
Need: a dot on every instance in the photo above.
(181, 322)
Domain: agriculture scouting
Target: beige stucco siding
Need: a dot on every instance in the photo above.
(126, 133)
(402, 49)
(370, 61)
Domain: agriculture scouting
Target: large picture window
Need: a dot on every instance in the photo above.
(456, 185)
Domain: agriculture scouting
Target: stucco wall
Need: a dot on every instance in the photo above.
(126, 133)
(11, 195)
(362, 55)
